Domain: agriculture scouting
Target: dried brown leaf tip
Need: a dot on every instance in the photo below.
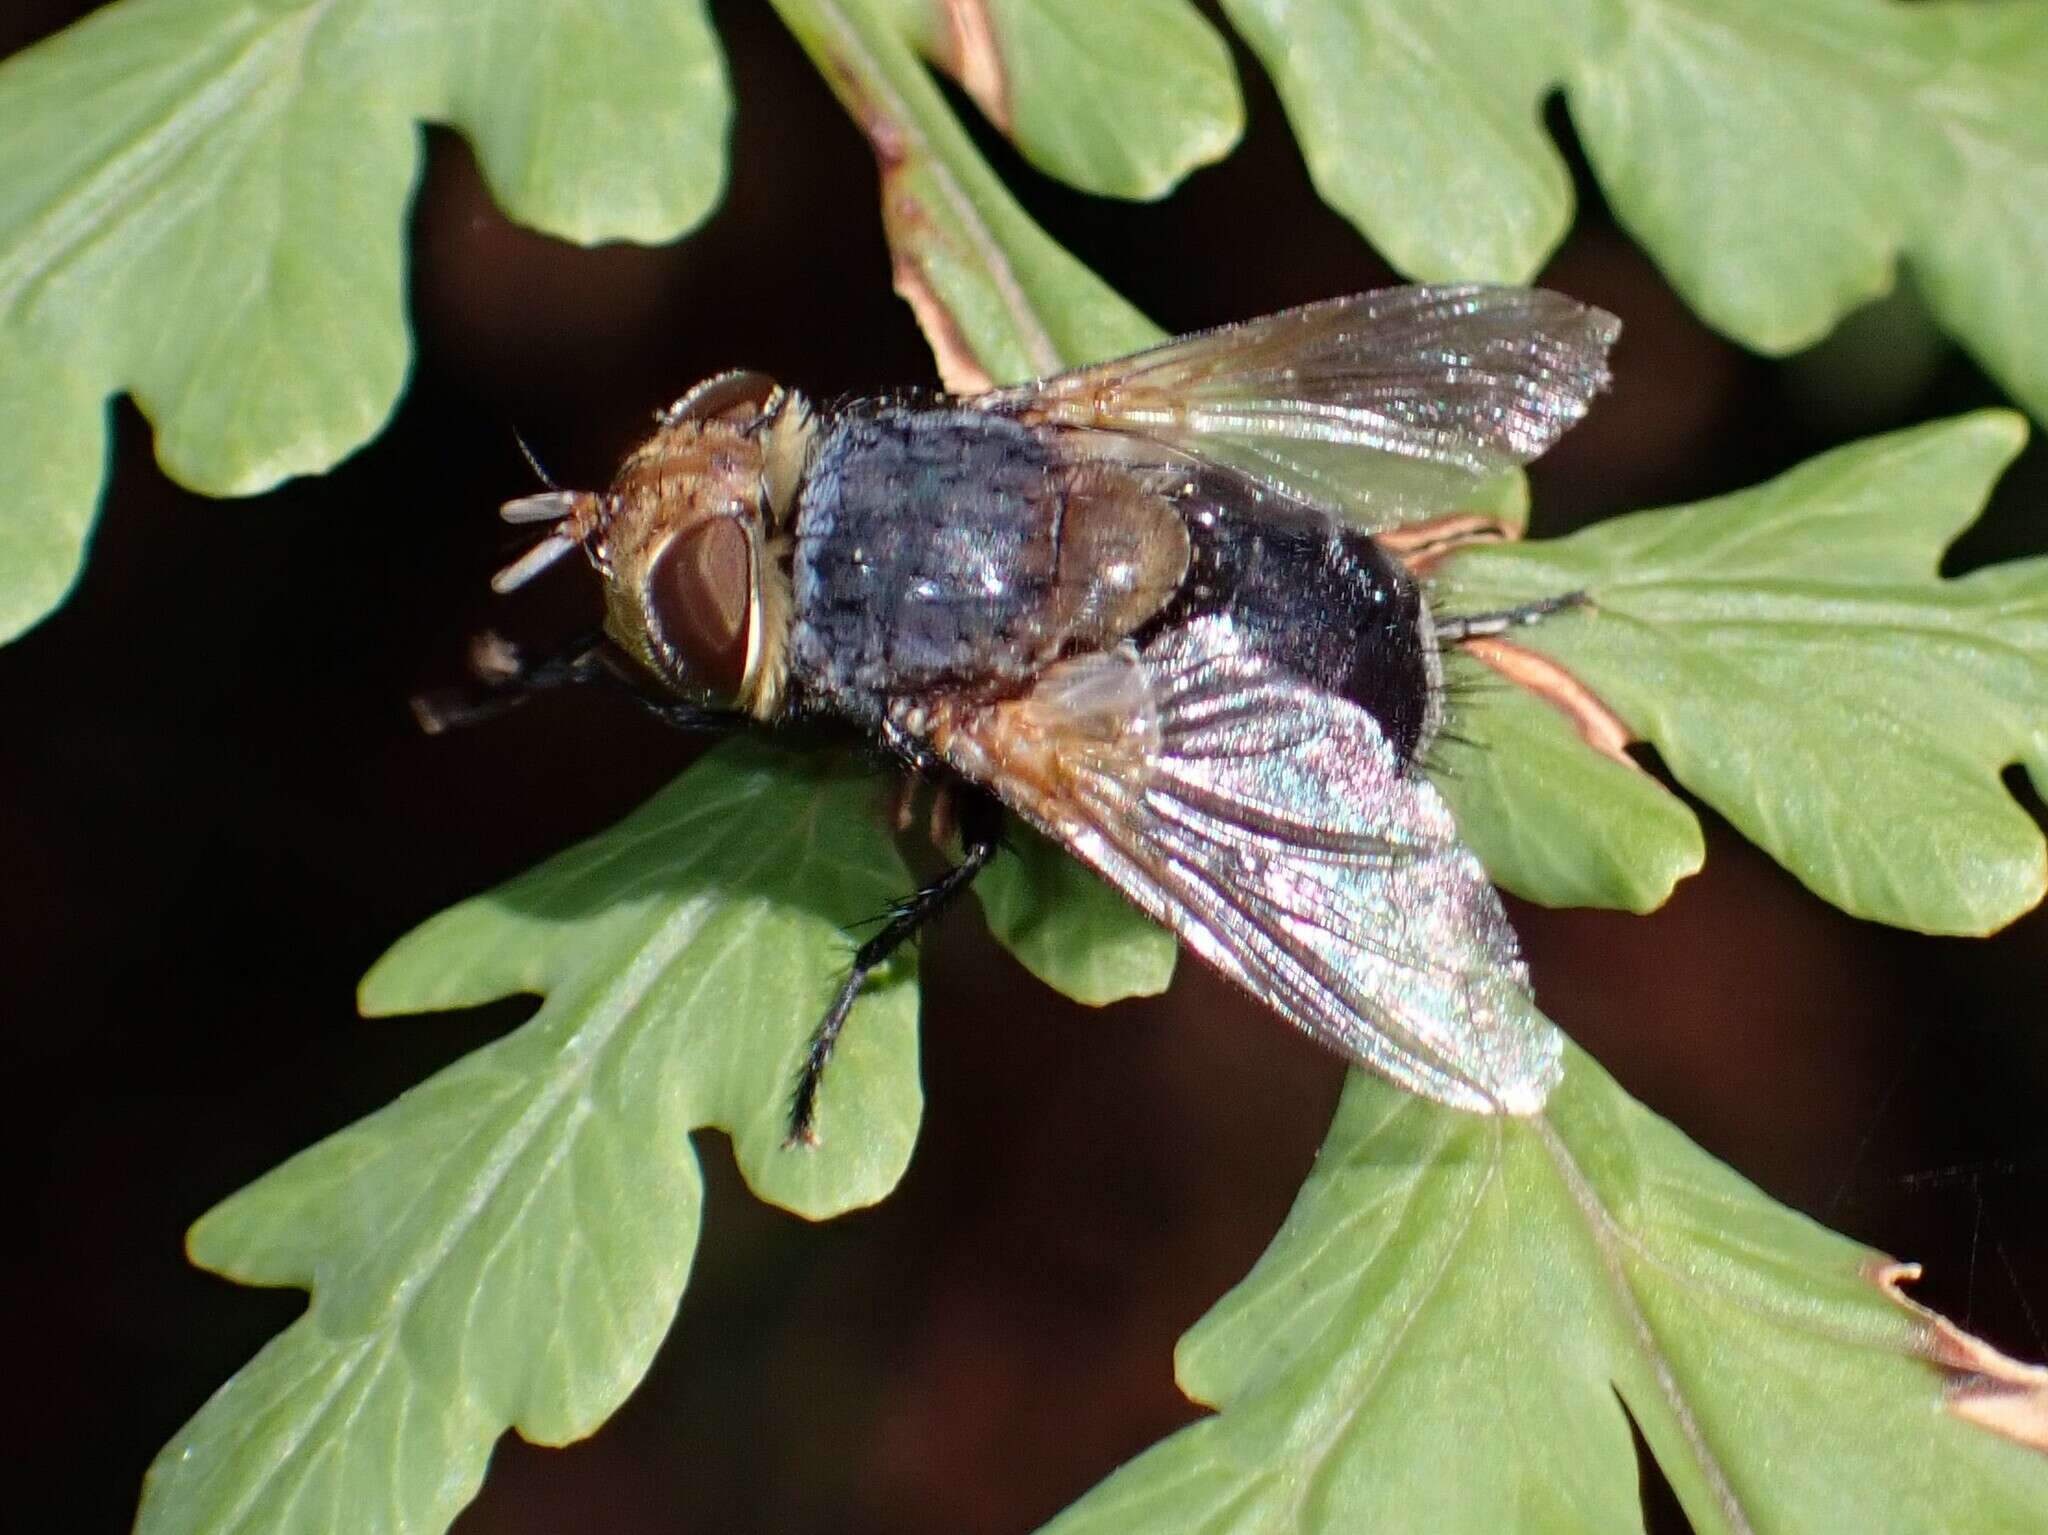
(1985, 1387)
(1599, 726)
(1422, 546)
(974, 57)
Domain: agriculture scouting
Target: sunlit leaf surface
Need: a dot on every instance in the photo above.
(1778, 158)
(505, 1245)
(1552, 820)
(1800, 665)
(1121, 100)
(1436, 1339)
(203, 203)
(1069, 928)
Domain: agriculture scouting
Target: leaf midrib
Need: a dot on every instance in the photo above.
(1604, 1235)
(1360, 1388)
(606, 1013)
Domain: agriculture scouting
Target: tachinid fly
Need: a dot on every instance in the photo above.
(1144, 606)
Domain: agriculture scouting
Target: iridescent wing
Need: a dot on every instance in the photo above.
(1386, 407)
(1274, 829)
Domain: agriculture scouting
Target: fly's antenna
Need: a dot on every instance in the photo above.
(533, 462)
(552, 505)
(576, 515)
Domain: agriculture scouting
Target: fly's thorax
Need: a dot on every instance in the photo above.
(944, 549)
(691, 541)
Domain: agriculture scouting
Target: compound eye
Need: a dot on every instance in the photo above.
(734, 395)
(701, 606)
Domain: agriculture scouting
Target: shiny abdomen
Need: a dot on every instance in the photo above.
(1322, 600)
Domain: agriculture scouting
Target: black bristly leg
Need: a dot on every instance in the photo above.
(681, 716)
(505, 679)
(1449, 631)
(980, 836)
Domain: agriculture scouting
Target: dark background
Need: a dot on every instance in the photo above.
(215, 812)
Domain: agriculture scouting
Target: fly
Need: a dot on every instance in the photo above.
(1144, 606)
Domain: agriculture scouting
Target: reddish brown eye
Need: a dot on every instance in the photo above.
(700, 604)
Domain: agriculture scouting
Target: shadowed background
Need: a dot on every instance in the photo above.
(215, 812)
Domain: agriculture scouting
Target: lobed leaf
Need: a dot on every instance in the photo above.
(1120, 100)
(505, 1245)
(1437, 1337)
(202, 203)
(1776, 157)
(1069, 928)
(1438, 1334)
(1800, 665)
(1552, 821)
(1435, 1266)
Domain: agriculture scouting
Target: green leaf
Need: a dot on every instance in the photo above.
(203, 202)
(1421, 123)
(1776, 157)
(1800, 666)
(1069, 928)
(997, 298)
(1552, 821)
(1436, 1337)
(505, 1245)
(1120, 100)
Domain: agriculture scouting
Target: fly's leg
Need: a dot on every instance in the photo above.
(682, 716)
(1473, 626)
(505, 679)
(980, 836)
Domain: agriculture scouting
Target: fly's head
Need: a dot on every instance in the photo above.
(691, 541)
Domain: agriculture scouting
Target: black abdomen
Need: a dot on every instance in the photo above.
(1321, 600)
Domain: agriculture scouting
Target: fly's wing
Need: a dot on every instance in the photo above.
(1387, 407)
(1273, 828)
